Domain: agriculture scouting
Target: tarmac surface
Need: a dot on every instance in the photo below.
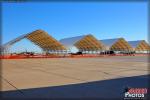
(73, 77)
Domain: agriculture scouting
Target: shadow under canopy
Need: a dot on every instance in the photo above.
(107, 89)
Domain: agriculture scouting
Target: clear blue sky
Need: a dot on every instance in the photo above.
(102, 19)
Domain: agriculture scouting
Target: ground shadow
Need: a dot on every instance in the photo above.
(113, 88)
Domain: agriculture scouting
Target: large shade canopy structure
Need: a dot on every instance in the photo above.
(82, 43)
(116, 44)
(41, 39)
(45, 41)
(140, 45)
